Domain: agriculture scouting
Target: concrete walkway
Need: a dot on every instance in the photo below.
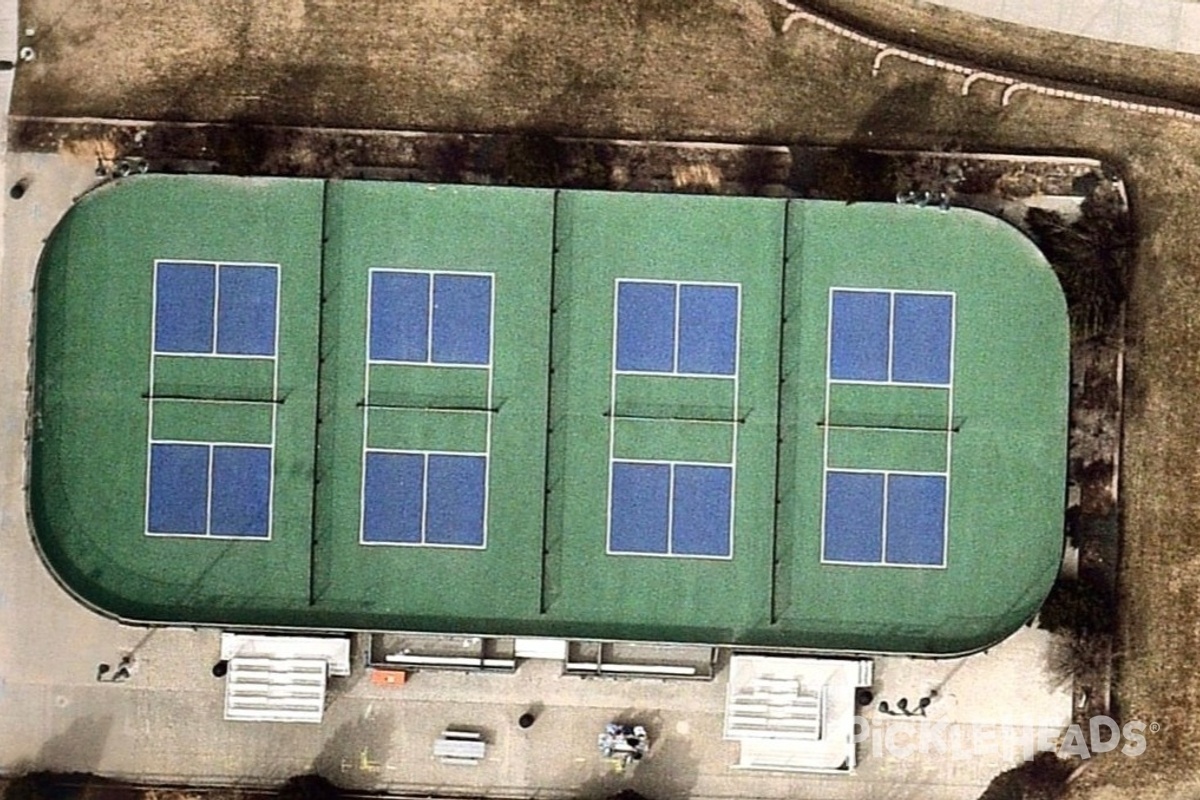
(1158, 24)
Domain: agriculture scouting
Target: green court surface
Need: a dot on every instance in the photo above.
(550, 410)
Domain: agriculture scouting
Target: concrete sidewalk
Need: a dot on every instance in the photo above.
(1158, 24)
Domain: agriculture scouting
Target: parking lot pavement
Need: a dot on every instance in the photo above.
(1158, 24)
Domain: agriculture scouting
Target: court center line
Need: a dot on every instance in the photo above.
(491, 383)
(949, 424)
(366, 412)
(612, 407)
(432, 279)
(670, 510)
(208, 505)
(825, 416)
(891, 345)
(883, 530)
(675, 345)
(278, 270)
(737, 413)
(216, 318)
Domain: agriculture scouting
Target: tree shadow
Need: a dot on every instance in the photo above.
(352, 752)
(79, 747)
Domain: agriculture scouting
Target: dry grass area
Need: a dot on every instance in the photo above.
(722, 70)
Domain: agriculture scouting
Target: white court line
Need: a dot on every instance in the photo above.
(216, 314)
(208, 505)
(669, 282)
(949, 425)
(903, 384)
(737, 413)
(275, 407)
(491, 383)
(891, 351)
(430, 364)
(188, 262)
(670, 509)
(401, 451)
(880, 564)
(667, 462)
(211, 401)
(424, 496)
(678, 286)
(650, 374)
(885, 429)
(914, 473)
(150, 405)
(420, 410)
(461, 273)
(612, 413)
(211, 443)
(490, 369)
(211, 447)
(425, 455)
(366, 413)
(155, 353)
(675, 349)
(887, 475)
(825, 415)
(431, 281)
(881, 290)
(215, 537)
(675, 373)
(213, 356)
(432, 274)
(887, 482)
(683, 420)
(948, 386)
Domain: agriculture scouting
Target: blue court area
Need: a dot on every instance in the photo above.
(891, 337)
(424, 498)
(671, 509)
(677, 328)
(885, 518)
(215, 309)
(209, 490)
(422, 317)
(220, 311)
(433, 319)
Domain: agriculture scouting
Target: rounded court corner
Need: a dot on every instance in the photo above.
(1005, 230)
(73, 580)
(1020, 613)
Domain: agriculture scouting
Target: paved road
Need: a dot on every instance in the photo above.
(1159, 24)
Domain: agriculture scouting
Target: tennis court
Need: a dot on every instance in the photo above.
(496, 411)
(212, 488)
(428, 497)
(888, 517)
